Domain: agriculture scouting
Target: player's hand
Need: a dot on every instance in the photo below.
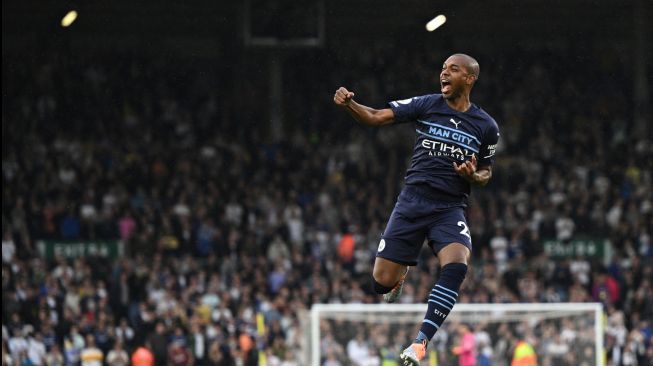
(466, 169)
(342, 96)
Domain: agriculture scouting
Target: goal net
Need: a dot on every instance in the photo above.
(374, 334)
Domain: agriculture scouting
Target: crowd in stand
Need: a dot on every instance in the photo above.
(229, 235)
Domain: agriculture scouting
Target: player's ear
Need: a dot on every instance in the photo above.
(471, 79)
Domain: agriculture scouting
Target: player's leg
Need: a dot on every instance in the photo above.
(399, 247)
(387, 273)
(453, 257)
(389, 278)
(444, 295)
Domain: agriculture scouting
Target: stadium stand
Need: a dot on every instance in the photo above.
(224, 230)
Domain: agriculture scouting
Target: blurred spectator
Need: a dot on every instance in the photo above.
(7, 359)
(124, 333)
(499, 245)
(605, 288)
(54, 357)
(178, 354)
(142, 356)
(159, 343)
(8, 247)
(483, 345)
(216, 356)
(17, 344)
(117, 356)
(36, 349)
(71, 353)
(466, 348)
(197, 343)
(524, 354)
(331, 360)
(91, 355)
(557, 349)
(359, 352)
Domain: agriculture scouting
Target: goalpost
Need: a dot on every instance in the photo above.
(559, 332)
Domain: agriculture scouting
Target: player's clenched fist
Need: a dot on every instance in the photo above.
(466, 169)
(342, 96)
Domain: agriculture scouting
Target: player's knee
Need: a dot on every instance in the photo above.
(384, 277)
(454, 253)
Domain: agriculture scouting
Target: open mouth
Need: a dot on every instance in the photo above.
(445, 86)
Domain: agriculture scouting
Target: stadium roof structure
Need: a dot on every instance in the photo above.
(202, 21)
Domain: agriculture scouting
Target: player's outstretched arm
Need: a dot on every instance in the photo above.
(363, 114)
(468, 171)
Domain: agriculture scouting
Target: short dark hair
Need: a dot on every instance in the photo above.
(471, 64)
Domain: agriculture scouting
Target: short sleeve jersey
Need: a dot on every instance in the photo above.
(445, 136)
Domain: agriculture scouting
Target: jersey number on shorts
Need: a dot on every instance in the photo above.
(465, 230)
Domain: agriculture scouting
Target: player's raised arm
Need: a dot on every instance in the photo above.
(363, 114)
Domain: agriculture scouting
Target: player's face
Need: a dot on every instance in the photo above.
(454, 78)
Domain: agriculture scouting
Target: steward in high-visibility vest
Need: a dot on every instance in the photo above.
(524, 355)
(388, 357)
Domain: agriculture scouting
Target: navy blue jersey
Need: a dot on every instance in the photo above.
(444, 136)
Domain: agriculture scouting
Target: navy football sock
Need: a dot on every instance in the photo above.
(379, 288)
(442, 299)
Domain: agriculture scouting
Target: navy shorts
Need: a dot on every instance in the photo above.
(417, 217)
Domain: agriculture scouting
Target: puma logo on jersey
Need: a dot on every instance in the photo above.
(455, 123)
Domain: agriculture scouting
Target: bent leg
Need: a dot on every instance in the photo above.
(400, 243)
(387, 274)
